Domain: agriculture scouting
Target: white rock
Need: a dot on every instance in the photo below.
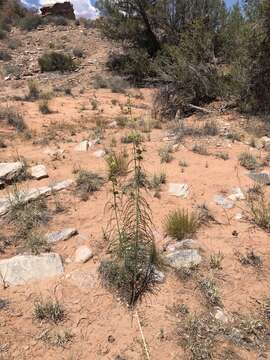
(61, 235)
(237, 194)
(220, 315)
(22, 269)
(238, 216)
(179, 190)
(100, 153)
(38, 172)
(184, 258)
(10, 170)
(225, 203)
(83, 146)
(83, 254)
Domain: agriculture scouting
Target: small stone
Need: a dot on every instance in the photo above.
(221, 316)
(237, 194)
(225, 203)
(61, 235)
(83, 254)
(261, 178)
(38, 172)
(83, 146)
(184, 258)
(238, 216)
(100, 153)
(184, 244)
(179, 190)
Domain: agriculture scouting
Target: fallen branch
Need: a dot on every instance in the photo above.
(143, 338)
(200, 109)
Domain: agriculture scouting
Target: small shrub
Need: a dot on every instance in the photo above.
(30, 22)
(216, 260)
(99, 82)
(133, 137)
(3, 34)
(165, 154)
(13, 118)
(222, 155)
(117, 164)
(54, 61)
(118, 85)
(200, 149)
(56, 20)
(51, 311)
(59, 339)
(121, 121)
(179, 224)
(36, 242)
(210, 128)
(33, 90)
(157, 180)
(44, 107)
(248, 161)
(259, 208)
(234, 136)
(209, 290)
(186, 273)
(251, 259)
(78, 53)
(4, 56)
(88, 182)
(94, 104)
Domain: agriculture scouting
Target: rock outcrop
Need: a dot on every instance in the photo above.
(59, 9)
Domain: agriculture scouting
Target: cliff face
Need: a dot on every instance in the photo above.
(59, 9)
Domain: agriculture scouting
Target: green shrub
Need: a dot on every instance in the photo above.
(30, 22)
(248, 161)
(117, 164)
(88, 182)
(49, 310)
(179, 224)
(54, 61)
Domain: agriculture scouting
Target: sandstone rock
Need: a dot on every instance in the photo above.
(61, 235)
(64, 9)
(83, 254)
(261, 178)
(38, 172)
(9, 171)
(179, 190)
(222, 201)
(184, 244)
(22, 269)
(184, 258)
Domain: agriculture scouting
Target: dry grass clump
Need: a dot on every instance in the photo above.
(248, 160)
(210, 292)
(87, 182)
(117, 163)
(55, 61)
(180, 224)
(13, 118)
(200, 149)
(259, 208)
(49, 310)
(165, 154)
(44, 107)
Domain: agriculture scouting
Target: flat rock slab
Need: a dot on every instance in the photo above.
(179, 190)
(9, 171)
(32, 194)
(22, 269)
(184, 258)
(261, 178)
(61, 235)
(222, 201)
(38, 172)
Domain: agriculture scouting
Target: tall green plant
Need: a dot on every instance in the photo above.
(131, 271)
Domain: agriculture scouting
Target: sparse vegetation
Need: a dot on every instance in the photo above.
(13, 118)
(132, 137)
(87, 182)
(200, 149)
(116, 83)
(210, 128)
(216, 261)
(259, 209)
(117, 164)
(49, 310)
(44, 107)
(33, 90)
(165, 154)
(157, 180)
(55, 61)
(248, 161)
(210, 291)
(250, 259)
(181, 224)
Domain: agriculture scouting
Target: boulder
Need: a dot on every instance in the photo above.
(184, 258)
(83, 254)
(38, 172)
(179, 190)
(22, 269)
(64, 9)
(262, 178)
(61, 235)
(8, 171)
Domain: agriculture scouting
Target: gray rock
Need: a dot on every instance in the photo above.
(83, 254)
(32, 194)
(9, 171)
(179, 190)
(184, 258)
(222, 201)
(61, 235)
(22, 269)
(38, 172)
(83, 146)
(261, 178)
(184, 244)
(220, 315)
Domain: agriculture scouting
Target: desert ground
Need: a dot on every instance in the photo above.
(234, 250)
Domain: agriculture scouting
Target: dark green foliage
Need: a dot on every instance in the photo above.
(30, 22)
(54, 61)
(180, 224)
